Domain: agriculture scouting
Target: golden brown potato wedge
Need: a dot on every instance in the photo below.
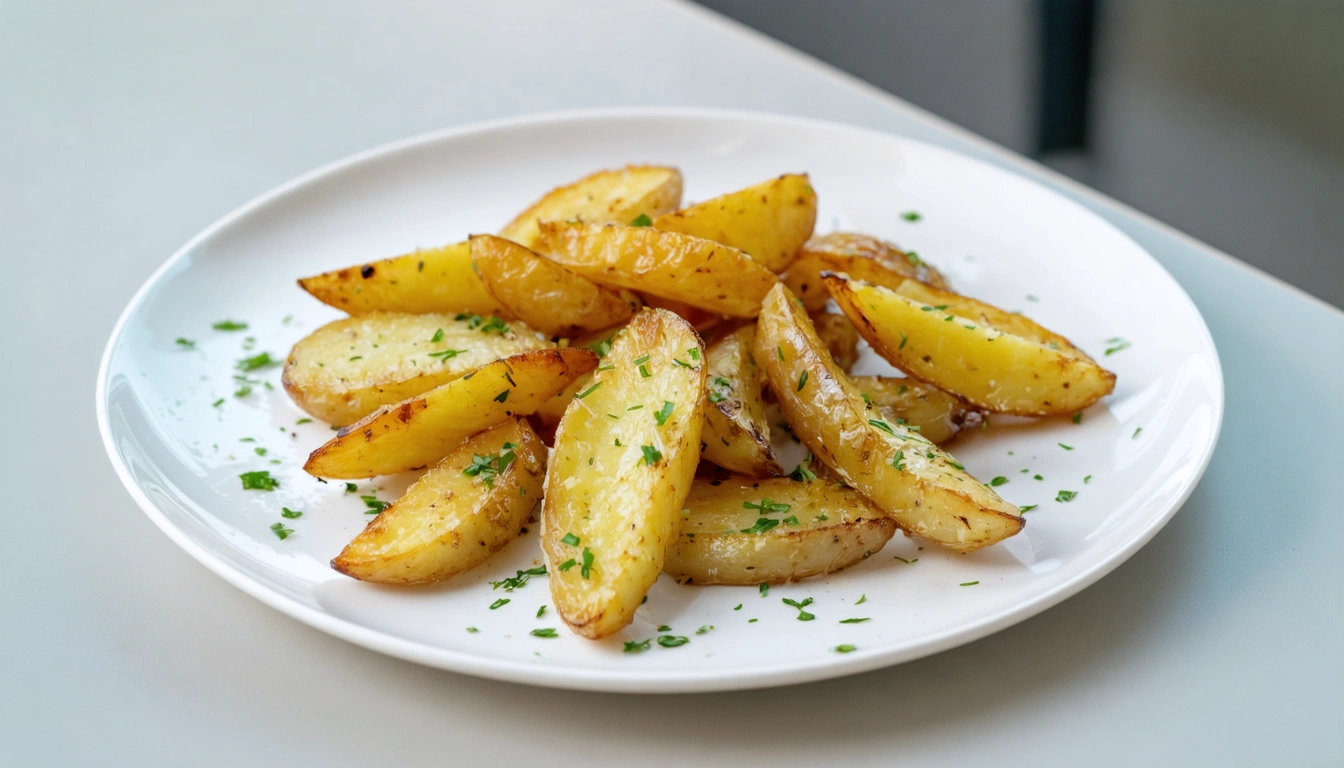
(770, 221)
(622, 464)
(429, 280)
(699, 272)
(544, 294)
(702, 320)
(347, 369)
(553, 410)
(862, 257)
(737, 432)
(746, 531)
(840, 337)
(965, 347)
(456, 515)
(606, 197)
(930, 411)
(925, 490)
(417, 432)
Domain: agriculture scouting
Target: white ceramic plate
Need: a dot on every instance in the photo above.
(1135, 457)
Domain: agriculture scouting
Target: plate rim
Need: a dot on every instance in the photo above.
(659, 681)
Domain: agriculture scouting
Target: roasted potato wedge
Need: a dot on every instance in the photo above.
(605, 197)
(746, 531)
(456, 515)
(700, 272)
(840, 337)
(769, 221)
(347, 369)
(737, 432)
(930, 411)
(429, 280)
(862, 257)
(965, 347)
(421, 430)
(544, 294)
(622, 464)
(926, 491)
(702, 320)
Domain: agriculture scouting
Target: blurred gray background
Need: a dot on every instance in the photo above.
(1223, 118)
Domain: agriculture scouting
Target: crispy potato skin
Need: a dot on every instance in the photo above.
(449, 522)
(349, 368)
(737, 433)
(860, 256)
(429, 280)
(905, 475)
(605, 197)
(544, 294)
(699, 272)
(422, 430)
(962, 349)
(840, 337)
(837, 527)
(770, 221)
(940, 416)
(602, 487)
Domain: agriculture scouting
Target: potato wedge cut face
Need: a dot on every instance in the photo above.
(544, 294)
(606, 197)
(769, 221)
(349, 368)
(992, 368)
(933, 413)
(699, 272)
(860, 256)
(840, 337)
(926, 491)
(429, 280)
(422, 430)
(794, 531)
(457, 514)
(737, 433)
(624, 456)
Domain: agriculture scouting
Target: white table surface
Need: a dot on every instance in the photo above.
(126, 128)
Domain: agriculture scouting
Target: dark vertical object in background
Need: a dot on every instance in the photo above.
(1068, 29)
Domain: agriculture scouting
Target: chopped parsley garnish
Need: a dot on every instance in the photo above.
(956, 464)
(719, 389)
(565, 566)
(473, 630)
(767, 506)
(587, 568)
(790, 520)
(281, 531)
(491, 466)
(644, 372)
(356, 357)
(373, 506)
(290, 513)
(447, 354)
(1026, 509)
(664, 628)
(540, 611)
(1037, 477)
(672, 641)
(911, 216)
(903, 340)
(762, 525)
(1136, 433)
(882, 425)
(570, 539)
(802, 473)
(706, 628)
(903, 560)
(764, 589)
(854, 621)
(641, 360)
(437, 337)
(913, 258)
(1064, 496)
(636, 646)
(544, 631)
(862, 599)
(968, 583)
(519, 580)
(662, 414)
(738, 608)
(217, 403)
(1000, 480)
(229, 325)
(491, 324)
(501, 602)
(588, 391)
(680, 362)
(502, 396)
(243, 391)
(351, 488)
(845, 648)
(1087, 479)
(303, 421)
(635, 407)
(259, 481)
(1065, 447)
(780, 351)
(1117, 344)
(185, 343)
(256, 362)
(898, 461)
(802, 614)
(642, 220)
(693, 353)
(1078, 418)
(651, 454)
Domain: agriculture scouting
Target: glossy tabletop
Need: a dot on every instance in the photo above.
(127, 129)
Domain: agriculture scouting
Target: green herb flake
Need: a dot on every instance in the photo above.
(290, 513)
(706, 628)
(1078, 418)
(642, 220)
(447, 354)
(1065, 496)
(1065, 447)
(854, 621)
(1026, 509)
(588, 391)
(968, 583)
(1087, 479)
(651, 454)
(637, 646)
(544, 631)
(518, 580)
(565, 566)
(907, 562)
(790, 520)
(764, 589)
(587, 569)
(491, 466)
(898, 461)
(693, 353)
(911, 216)
(303, 421)
(672, 641)
(762, 525)
(217, 403)
(502, 396)
(738, 608)
(802, 614)
(281, 531)
(882, 425)
(1135, 436)
(1116, 344)
(229, 325)
(862, 599)
(802, 473)
(256, 362)
(351, 488)
(472, 630)
(1000, 480)
(957, 464)
(661, 415)
(780, 352)
(570, 539)
(437, 337)
(259, 481)
(185, 343)
(845, 648)
(373, 506)
(501, 602)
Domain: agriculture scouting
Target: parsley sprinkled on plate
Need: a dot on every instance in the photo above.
(290, 513)
(519, 580)
(229, 325)
(281, 531)
(802, 614)
(544, 632)
(259, 481)
(672, 641)
(968, 583)
(185, 343)
(1064, 496)
(845, 648)
(637, 646)
(911, 216)
(501, 602)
